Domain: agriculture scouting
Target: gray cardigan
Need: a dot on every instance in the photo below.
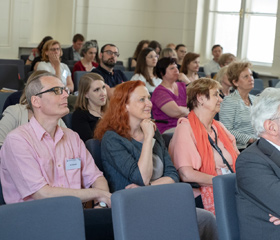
(120, 157)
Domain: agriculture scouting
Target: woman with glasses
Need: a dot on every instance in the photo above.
(90, 105)
(145, 69)
(51, 55)
(19, 114)
(235, 109)
(88, 52)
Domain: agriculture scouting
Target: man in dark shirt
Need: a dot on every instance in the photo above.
(109, 54)
(73, 53)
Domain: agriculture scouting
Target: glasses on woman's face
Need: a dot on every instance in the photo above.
(56, 90)
(54, 49)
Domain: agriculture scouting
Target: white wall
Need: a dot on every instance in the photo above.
(122, 22)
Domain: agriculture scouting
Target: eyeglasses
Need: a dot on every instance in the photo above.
(109, 52)
(54, 49)
(56, 90)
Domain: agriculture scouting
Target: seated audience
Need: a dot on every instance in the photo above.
(222, 78)
(19, 114)
(258, 172)
(181, 51)
(190, 66)
(109, 54)
(38, 58)
(36, 52)
(40, 159)
(73, 53)
(51, 62)
(133, 152)
(88, 52)
(90, 105)
(169, 98)
(235, 109)
(168, 52)
(194, 156)
(145, 69)
(156, 46)
(141, 45)
(213, 65)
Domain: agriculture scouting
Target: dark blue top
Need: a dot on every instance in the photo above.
(120, 157)
(111, 79)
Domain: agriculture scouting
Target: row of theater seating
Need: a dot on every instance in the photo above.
(140, 213)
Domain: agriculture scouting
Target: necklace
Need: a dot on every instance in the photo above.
(247, 102)
(99, 114)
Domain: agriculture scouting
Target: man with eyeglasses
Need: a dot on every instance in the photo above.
(258, 172)
(40, 159)
(109, 54)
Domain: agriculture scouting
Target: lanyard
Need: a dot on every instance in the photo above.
(215, 146)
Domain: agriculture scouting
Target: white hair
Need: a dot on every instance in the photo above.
(265, 107)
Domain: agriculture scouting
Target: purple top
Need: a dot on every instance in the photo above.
(160, 97)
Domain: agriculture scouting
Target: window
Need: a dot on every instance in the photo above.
(245, 28)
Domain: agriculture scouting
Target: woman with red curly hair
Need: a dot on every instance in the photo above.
(133, 153)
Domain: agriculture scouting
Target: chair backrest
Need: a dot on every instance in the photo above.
(77, 76)
(18, 62)
(255, 91)
(201, 74)
(3, 97)
(128, 74)
(119, 67)
(94, 147)
(24, 57)
(201, 69)
(155, 212)
(225, 206)
(2, 201)
(167, 138)
(273, 82)
(50, 218)
(67, 119)
(9, 76)
(119, 63)
(258, 84)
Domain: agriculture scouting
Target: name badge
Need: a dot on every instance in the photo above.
(225, 171)
(64, 74)
(74, 163)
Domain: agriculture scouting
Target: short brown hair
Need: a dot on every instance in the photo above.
(78, 37)
(200, 87)
(47, 46)
(235, 69)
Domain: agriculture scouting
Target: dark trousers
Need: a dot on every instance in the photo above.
(98, 224)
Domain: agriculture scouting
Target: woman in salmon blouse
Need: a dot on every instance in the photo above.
(198, 139)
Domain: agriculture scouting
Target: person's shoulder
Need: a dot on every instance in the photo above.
(137, 76)
(97, 70)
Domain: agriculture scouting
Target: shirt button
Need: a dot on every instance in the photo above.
(59, 165)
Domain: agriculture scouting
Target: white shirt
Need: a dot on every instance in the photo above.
(150, 88)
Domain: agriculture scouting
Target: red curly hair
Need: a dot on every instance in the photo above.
(116, 117)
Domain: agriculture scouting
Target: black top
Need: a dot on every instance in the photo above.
(67, 55)
(111, 79)
(84, 123)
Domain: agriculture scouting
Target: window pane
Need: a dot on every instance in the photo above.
(261, 38)
(228, 5)
(262, 6)
(227, 32)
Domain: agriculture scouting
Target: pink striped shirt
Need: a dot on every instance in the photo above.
(31, 159)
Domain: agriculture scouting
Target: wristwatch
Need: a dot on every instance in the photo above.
(101, 204)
